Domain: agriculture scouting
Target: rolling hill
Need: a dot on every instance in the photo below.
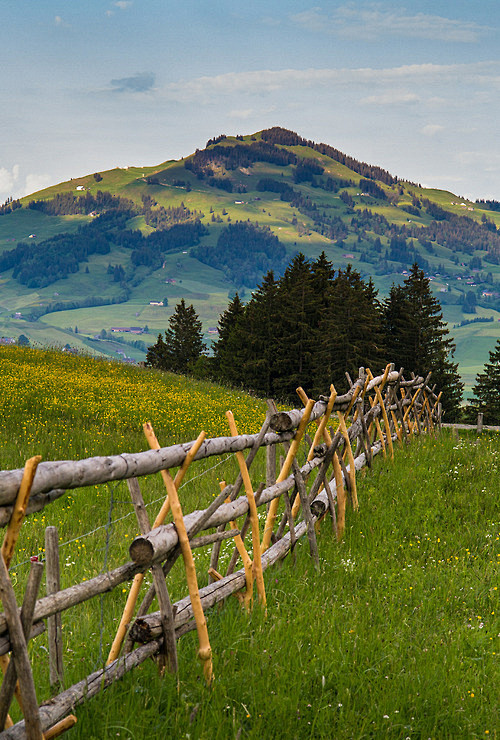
(88, 263)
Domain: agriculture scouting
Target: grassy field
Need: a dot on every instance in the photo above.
(397, 636)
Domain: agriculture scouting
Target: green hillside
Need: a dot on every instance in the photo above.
(310, 196)
(395, 635)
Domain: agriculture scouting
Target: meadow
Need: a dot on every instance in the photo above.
(396, 636)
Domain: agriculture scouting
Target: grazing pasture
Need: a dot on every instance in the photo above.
(396, 636)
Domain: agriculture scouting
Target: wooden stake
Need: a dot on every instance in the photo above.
(10, 679)
(254, 517)
(285, 470)
(352, 469)
(169, 656)
(20, 656)
(54, 625)
(11, 536)
(139, 578)
(19, 511)
(245, 559)
(205, 651)
(65, 724)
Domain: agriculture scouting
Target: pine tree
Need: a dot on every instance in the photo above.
(487, 389)
(183, 344)
(418, 339)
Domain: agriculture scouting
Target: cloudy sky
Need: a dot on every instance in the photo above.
(92, 84)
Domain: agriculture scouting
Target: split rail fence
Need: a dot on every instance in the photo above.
(374, 415)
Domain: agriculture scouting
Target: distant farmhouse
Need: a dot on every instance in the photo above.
(128, 329)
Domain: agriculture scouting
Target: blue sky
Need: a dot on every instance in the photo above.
(88, 85)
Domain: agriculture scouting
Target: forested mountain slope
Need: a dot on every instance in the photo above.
(85, 258)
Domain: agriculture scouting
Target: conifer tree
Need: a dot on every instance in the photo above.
(295, 325)
(257, 344)
(227, 358)
(183, 344)
(418, 339)
(487, 389)
(350, 331)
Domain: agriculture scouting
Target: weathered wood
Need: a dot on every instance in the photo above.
(69, 474)
(160, 541)
(244, 529)
(479, 422)
(90, 686)
(54, 625)
(169, 653)
(10, 678)
(37, 629)
(235, 489)
(294, 446)
(35, 503)
(254, 516)
(20, 656)
(79, 593)
(306, 513)
(208, 539)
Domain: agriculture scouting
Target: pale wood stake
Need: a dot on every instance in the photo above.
(139, 578)
(254, 517)
(285, 470)
(352, 469)
(169, 655)
(245, 558)
(205, 651)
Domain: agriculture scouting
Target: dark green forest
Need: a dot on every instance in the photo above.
(314, 324)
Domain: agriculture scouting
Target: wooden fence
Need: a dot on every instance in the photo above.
(376, 413)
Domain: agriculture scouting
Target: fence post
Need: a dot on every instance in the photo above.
(54, 626)
(479, 423)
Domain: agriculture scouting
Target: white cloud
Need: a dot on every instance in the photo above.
(432, 129)
(373, 22)
(242, 114)
(8, 181)
(123, 4)
(259, 82)
(391, 98)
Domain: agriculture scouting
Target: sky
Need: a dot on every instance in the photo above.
(88, 85)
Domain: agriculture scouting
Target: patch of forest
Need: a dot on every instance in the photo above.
(244, 252)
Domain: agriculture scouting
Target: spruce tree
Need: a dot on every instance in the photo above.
(350, 333)
(227, 350)
(487, 389)
(295, 324)
(257, 341)
(418, 339)
(183, 344)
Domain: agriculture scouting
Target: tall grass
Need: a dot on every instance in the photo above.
(396, 636)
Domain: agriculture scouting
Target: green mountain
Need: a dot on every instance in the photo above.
(88, 262)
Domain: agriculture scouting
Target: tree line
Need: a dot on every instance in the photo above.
(311, 326)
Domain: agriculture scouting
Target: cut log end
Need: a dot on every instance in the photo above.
(141, 551)
(281, 422)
